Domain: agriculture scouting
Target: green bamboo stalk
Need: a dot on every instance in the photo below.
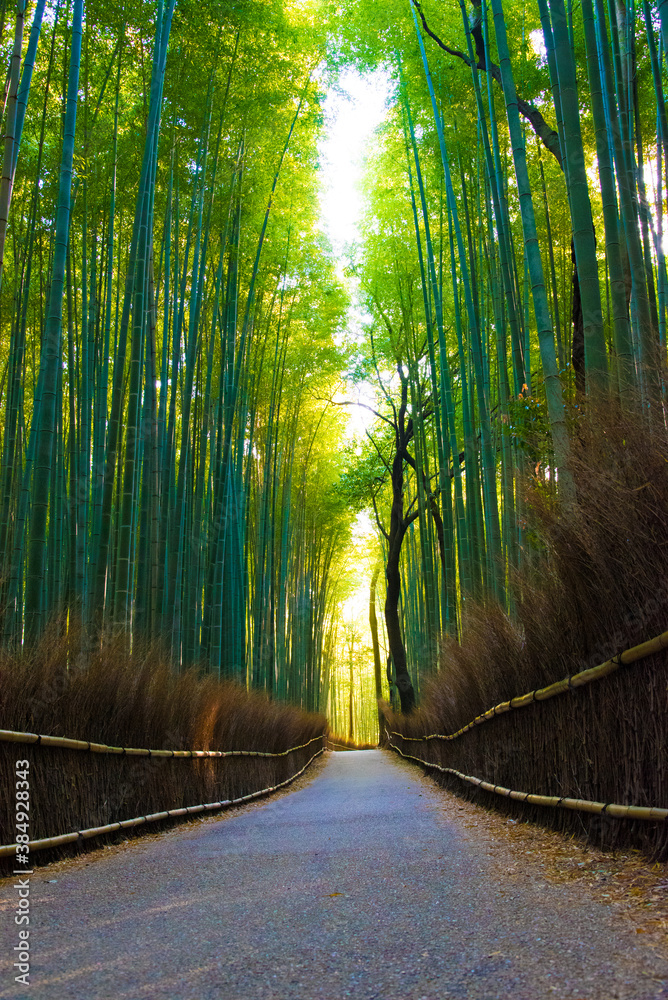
(10, 137)
(622, 333)
(553, 391)
(134, 298)
(50, 356)
(619, 126)
(445, 387)
(553, 271)
(489, 465)
(596, 365)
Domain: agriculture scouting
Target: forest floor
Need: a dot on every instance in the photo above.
(366, 881)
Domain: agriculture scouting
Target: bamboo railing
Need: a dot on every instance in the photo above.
(554, 801)
(578, 680)
(569, 683)
(10, 736)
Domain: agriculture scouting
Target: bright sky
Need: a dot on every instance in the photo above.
(356, 607)
(352, 112)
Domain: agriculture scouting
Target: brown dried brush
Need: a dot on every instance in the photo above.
(596, 584)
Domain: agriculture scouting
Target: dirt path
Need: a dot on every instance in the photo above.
(357, 885)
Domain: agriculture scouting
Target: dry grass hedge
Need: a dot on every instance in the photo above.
(597, 585)
(135, 701)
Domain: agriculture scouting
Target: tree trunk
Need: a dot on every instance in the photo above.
(578, 346)
(397, 531)
(395, 638)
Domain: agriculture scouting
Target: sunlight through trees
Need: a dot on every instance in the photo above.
(183, 344)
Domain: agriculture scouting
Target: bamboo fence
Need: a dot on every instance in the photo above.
(551, 801)
(69, 788)
(596, 752)
(8, 850)
(569, 683)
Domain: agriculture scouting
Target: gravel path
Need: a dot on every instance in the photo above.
(356, 885)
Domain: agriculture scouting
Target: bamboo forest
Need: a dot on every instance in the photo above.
(326, 469)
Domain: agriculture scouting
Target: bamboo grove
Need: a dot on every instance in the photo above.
(174, 344)
(513, 269)
(169, 319)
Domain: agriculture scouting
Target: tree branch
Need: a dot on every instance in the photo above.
(380, 454)
(378, 521)
(352, 402)
(408, 520)
(545, 133)
(380, 381)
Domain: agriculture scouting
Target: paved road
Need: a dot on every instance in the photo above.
(357, 885)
